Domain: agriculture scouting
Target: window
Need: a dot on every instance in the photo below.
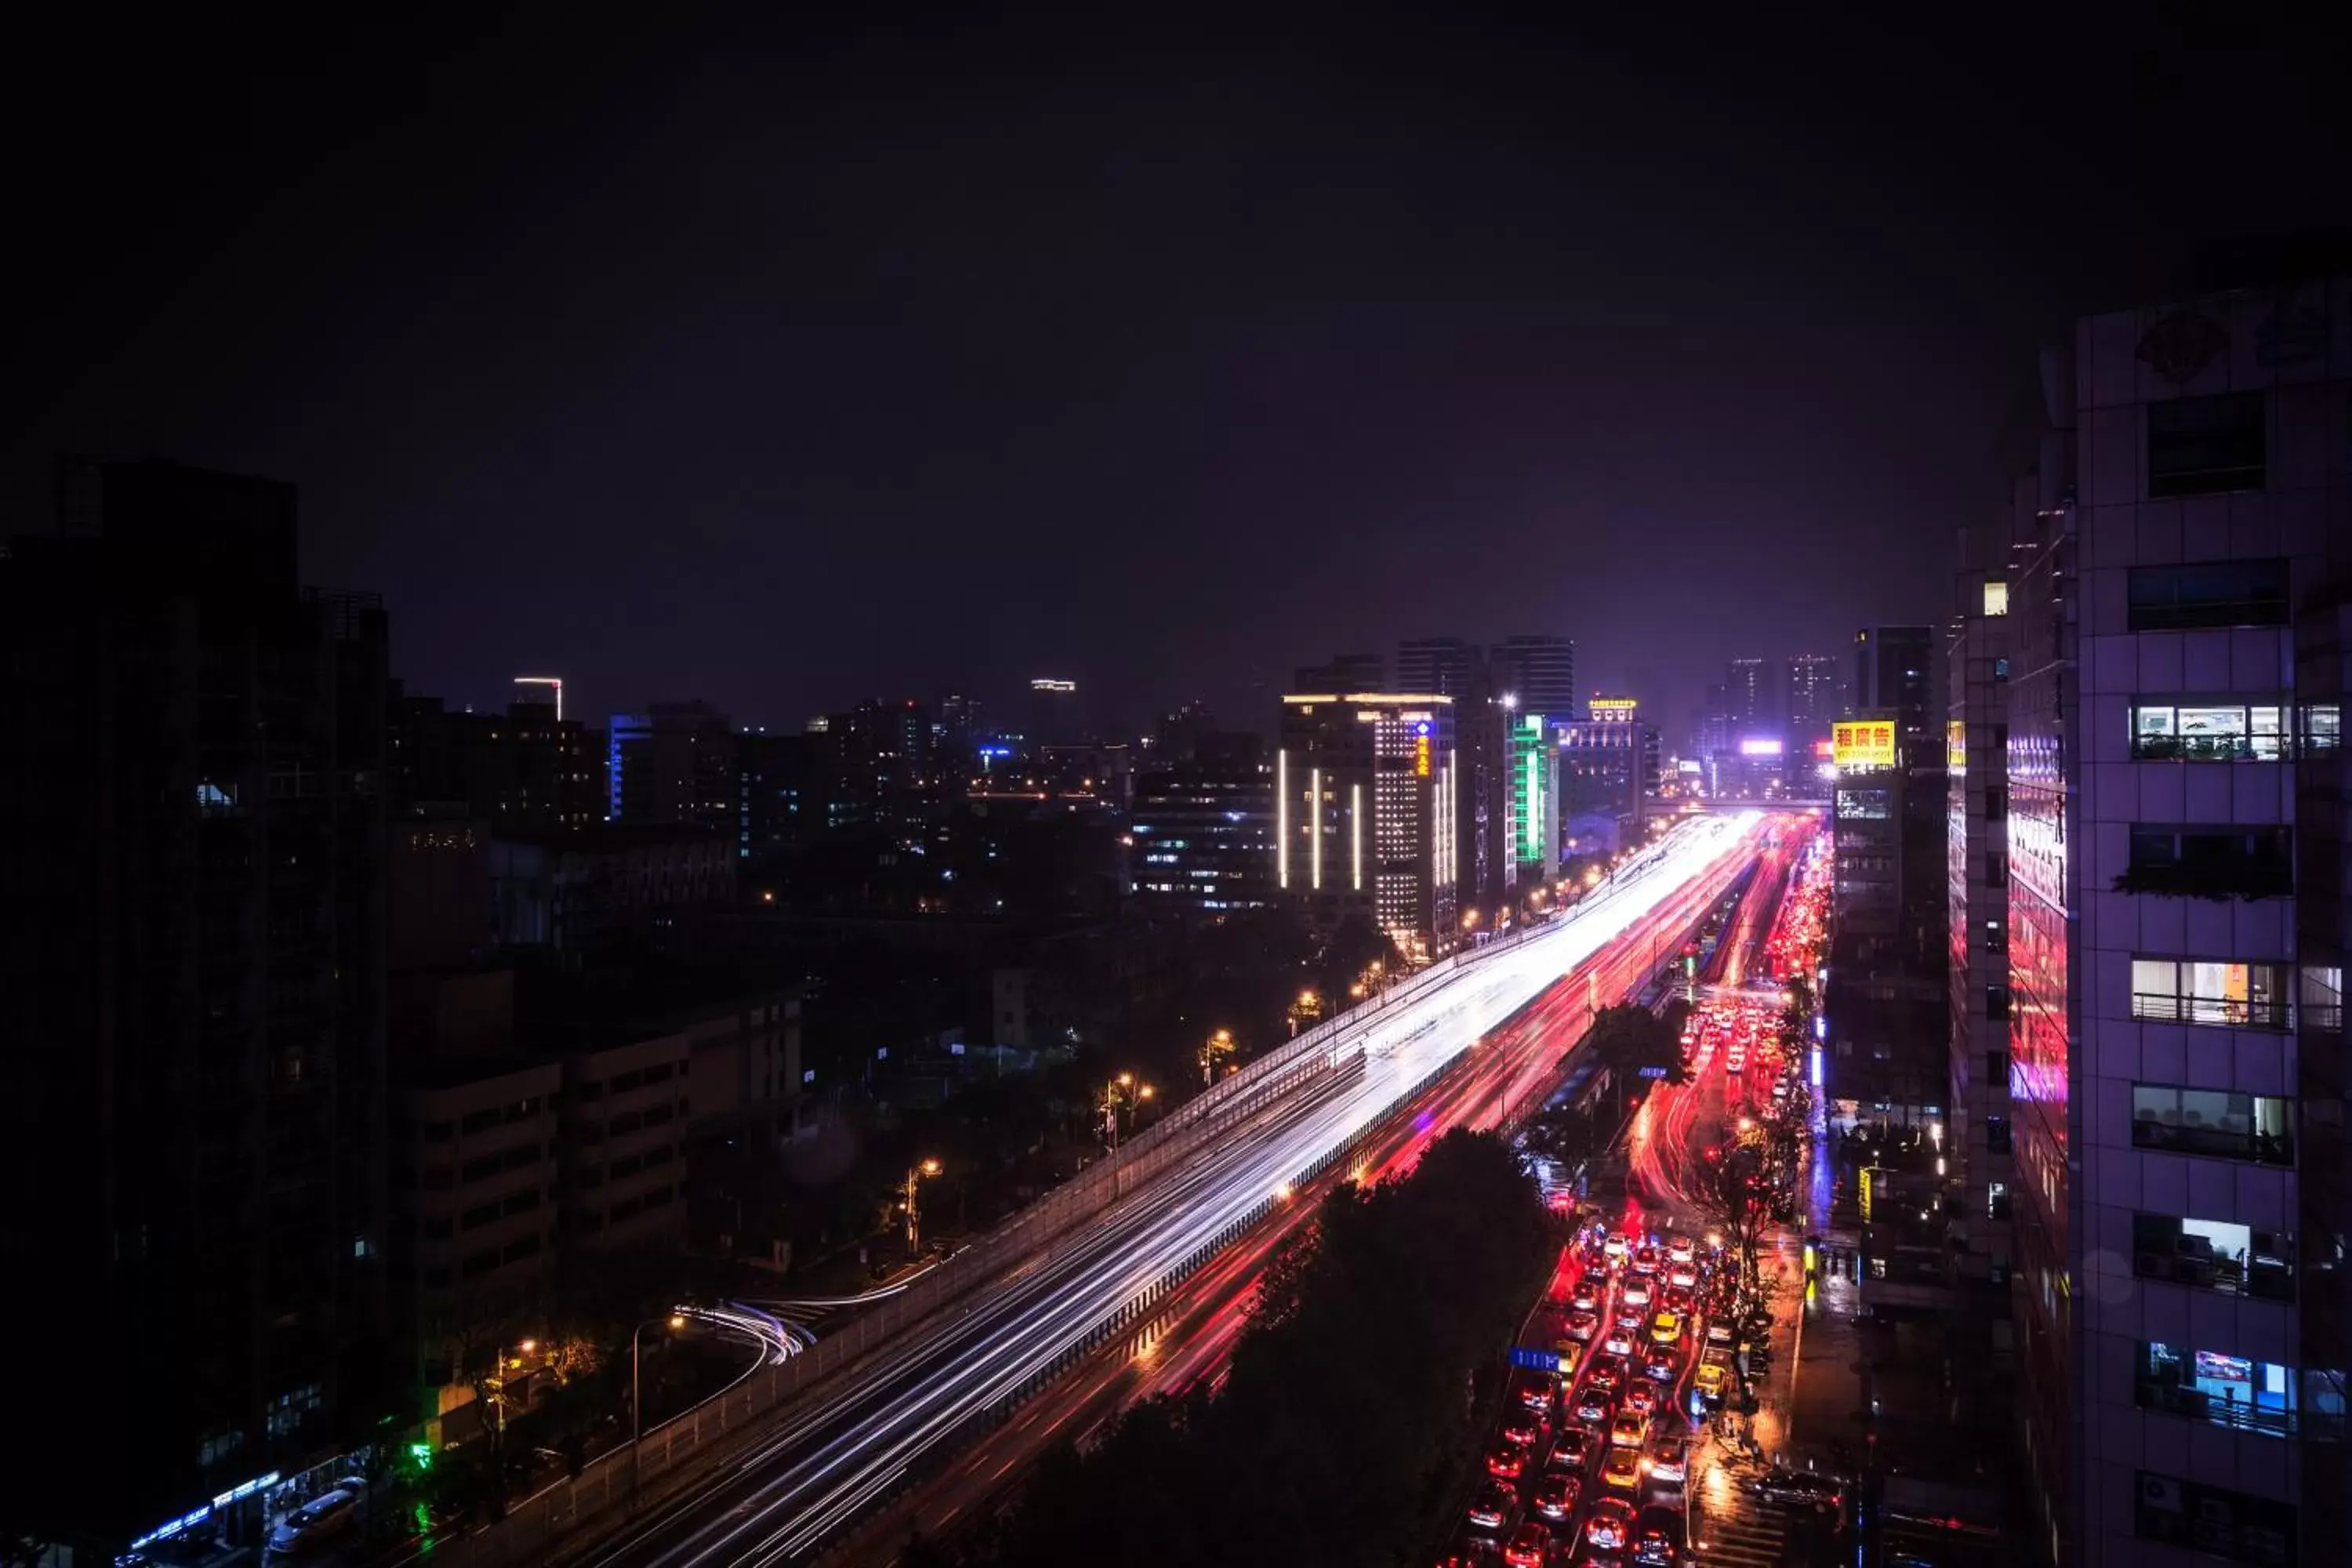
(478, 1216)
(2001, 672)
(522, 1247)
(436, 1227)
(520, 1203)
(1997, 869)
(1997, 1200)
(1996, 598)
(2226, 1390)
(2217, 862)
(1995, 802)
(2197, 991)
(1997, 1139)
(2207, 731)
(1996, 1002)
(1996, 936)
(479, 1264)
(2214, 593)
(2225, 1524)
(2205, 446)
(1997, 1069)
(2213, 1122)
(2213, 1255)
(482, 1120)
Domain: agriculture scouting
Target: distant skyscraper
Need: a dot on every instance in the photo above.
(1446, 665)
(1055, 718)
(1894, 672)
(1203, 823)
(192, 843)
(1812, 696)
(1539, 672)
(1750, 703)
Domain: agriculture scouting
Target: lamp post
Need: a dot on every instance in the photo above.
(1218, 1047)
(676, 1321)
(915, 1175)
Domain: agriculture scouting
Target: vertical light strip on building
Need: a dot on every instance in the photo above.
(1314, 824)
(1355, 835)
(1282, 817)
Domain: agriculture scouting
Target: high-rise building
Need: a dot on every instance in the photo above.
(2178, 618)
(1976, 878)
(776, 793)
(1204, 826)
(1055, 717)
(674, 762)
(1446, 665)
(192, 1003)
(1751, 700)
(1535, 802)
(1539, 672)
(1895, 672)
(1813, 694)
(962, 720)
(523, 770)
(1365, 786)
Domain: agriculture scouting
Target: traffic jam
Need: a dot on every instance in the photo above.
(1592, 1455)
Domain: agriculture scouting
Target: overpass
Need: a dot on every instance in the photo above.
(945, 1365)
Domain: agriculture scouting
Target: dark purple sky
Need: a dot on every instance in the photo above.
(783, 367)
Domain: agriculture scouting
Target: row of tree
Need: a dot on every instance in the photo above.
(1350, 1409)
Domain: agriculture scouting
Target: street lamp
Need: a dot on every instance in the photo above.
(914, 1226)
(676, 1321)
(1121, 1088)
(1218, 1046)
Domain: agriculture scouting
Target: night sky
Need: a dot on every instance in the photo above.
(783, 367)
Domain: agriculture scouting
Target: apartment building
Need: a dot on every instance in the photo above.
(624, 1116)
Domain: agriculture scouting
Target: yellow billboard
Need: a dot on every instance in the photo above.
(1863, 743)
(1956, 745)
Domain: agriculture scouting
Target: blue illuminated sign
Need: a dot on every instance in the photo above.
(1536, 1361)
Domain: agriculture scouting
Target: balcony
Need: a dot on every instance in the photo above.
(2164, 1008)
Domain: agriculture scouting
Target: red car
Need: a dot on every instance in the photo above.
(1583, 1325)
(1641, 1398)
(1506, 1462)
(1611, 1523)
(1527, 1547)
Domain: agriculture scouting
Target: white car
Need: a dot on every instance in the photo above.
(321, 1520)
(1636, 1292)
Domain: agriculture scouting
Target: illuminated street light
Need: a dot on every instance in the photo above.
(914, 1179)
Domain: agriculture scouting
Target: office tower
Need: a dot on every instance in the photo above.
(874, 766)
(1539, 672)
(1182, 734)
(1976, 876)
(2179, 628)
(1204, 826)
(1343, 673)
(1608, 765)
(962, 720)
(1813, 695)
(1055, 718)
(1751, 701)
(1447, 665)
(191, 749)
(1365, 789)
(674, 762)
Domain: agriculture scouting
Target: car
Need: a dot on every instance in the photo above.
(1528, 1547)
(1683, 1275)
(1585, 1297)
(1622, 1470)
(1631, 1429)
(1618, 1342)
(1666, 1329)
(1682, 1248)
(1524, 1429)
(1661, 1365)
(1645, 1260)
(1654, 1547)
(1493, 1507)
(1575, 1450)
(1614, 1247)
(313, 1524)
(1610, 1522)
(1709, 1382)
(1636, 1292)
(1556, 1495)
(1718, 1333)
(1535, 1390)
(1736, 1060)
(1641, 1398)
(1593, 1405)
(1797, 1488)
(1583, 1325)
(1506, 1462)
(1572, 1356)
(1669, 1461)
(1607, 1373)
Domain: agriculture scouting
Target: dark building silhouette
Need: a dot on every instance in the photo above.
(1538, 671)
(1204, 827)
(674, 762)
(192, 1009)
